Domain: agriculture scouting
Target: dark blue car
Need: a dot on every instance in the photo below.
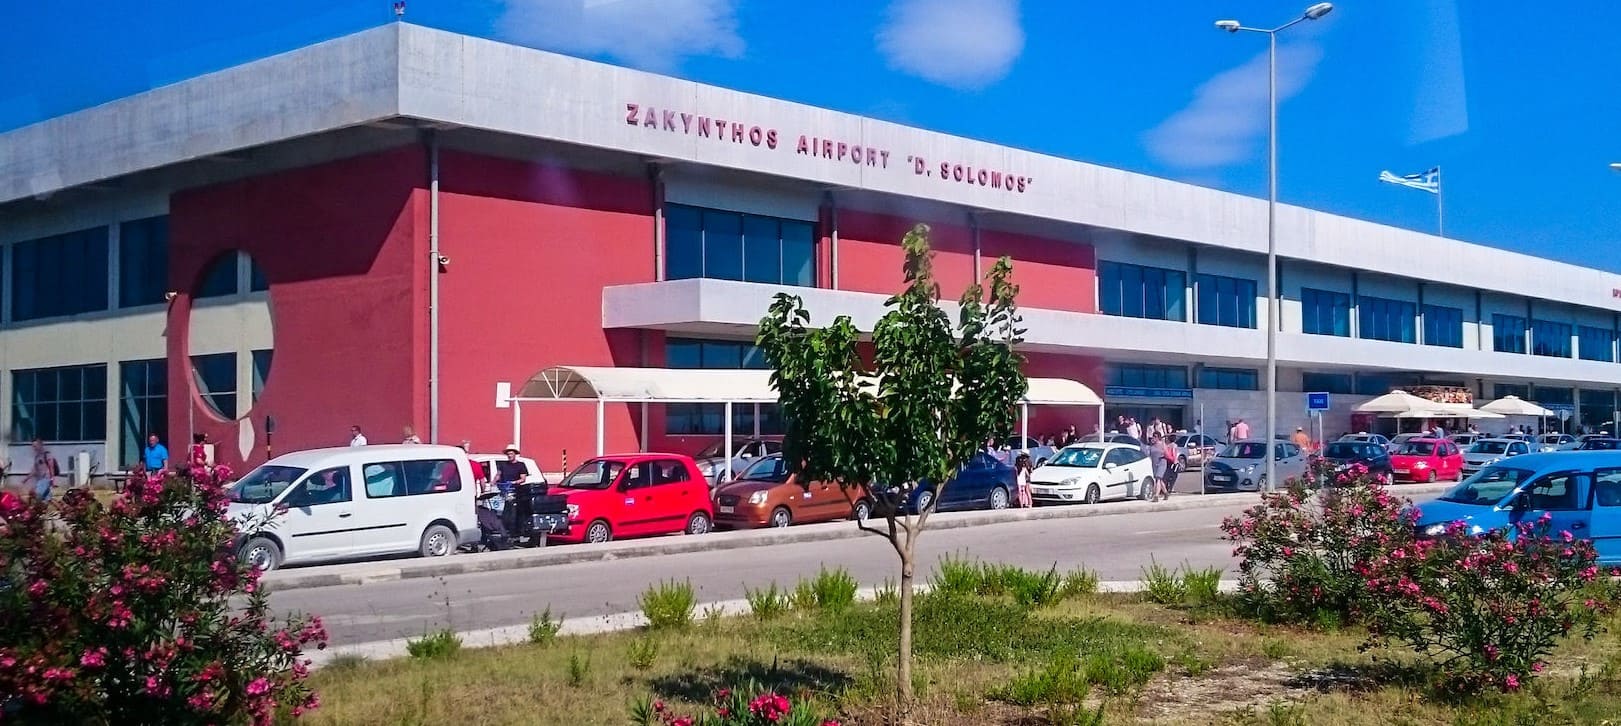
(982, 483)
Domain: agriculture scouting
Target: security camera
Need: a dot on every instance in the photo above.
(444, 261)
(170, 296)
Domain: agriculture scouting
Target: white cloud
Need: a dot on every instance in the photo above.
(651, 34)
(964, 44)
(1226, 121)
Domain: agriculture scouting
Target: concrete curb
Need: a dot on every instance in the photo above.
(461, 564)
(619, 622)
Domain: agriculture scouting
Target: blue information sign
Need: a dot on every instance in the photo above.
(1317, 401)
(1140, 392)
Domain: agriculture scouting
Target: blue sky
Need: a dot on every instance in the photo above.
(1517, 102)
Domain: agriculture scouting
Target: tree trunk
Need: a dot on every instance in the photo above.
(903, 670)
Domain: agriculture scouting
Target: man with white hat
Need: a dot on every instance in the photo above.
(511, 471)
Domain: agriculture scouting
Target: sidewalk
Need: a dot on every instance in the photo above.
(361, 573)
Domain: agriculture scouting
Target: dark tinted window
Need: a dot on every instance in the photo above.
(670, 471)
(432, 476)
(143, 261)
(328, 486)
(65, 274)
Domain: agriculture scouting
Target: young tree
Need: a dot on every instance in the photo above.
(931, 398)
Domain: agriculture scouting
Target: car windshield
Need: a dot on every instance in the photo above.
(1600, 444)
(1487, 487)
(1418, 448)
(1489, 447)
(718, 450)
(769, 469)
(594, 475)
(1349, 450)
(264, 484)
(1080, 456)
(1245, 450)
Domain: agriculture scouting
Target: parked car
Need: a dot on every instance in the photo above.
(342, 503)
(983, 483)
(1580, 494)
(1196, 449)
(1372, 438)
(1092, 472)
(1584, 438)
(484, 465)
(766, 495)
(1465, 440)
(1397, 441)
(1242, 465)
(1600, 443)
(1345, 454)
(1488, 451)
(712, 460)
(1555, 442)
(634, 495)
(1119, 438)
(1426, 460)
(1012, 445)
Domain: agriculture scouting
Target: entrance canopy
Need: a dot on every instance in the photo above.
(603, 385)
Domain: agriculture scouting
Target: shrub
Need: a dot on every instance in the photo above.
(804, 596)
(1301, 552)
(747, 706)
(669, 605)
(1058, 681)
(435, 645)
(886, 594)
(1122, 667)
(1034, 590)
(1203, 586)
(1080, 582)
(543, 628)
(579, 669)
(834, 590)
(642, 653)
(1487, 608)
(957, 575)
(766, 603)
(1164, 585)
(138, 611)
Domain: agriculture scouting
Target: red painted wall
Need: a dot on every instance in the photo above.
(1051, 274)
(340, 245)
(531, 247)
(1053, 419)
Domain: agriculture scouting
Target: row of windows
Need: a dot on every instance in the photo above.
(1135, 291)
(1227, 301)
(59, 404)
(1383, 319)
(710, 418)
(1232, 379)
(732, 246)
(1443, 326)
(1325, 313)
(1550, 339)
(1146, 376)
(1595, 343)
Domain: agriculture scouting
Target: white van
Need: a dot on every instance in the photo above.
(355, 502)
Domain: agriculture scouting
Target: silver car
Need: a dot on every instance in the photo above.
(1012, 445)
(1196, 449)
(712, 460)
(1242, 465)
(1486, 452)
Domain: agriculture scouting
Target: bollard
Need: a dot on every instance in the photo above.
(565, 462)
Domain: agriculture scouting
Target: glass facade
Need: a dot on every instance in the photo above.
(1325, 313)
(1595, 343)
(733, 246)
(64, 274)
(1550, 339)
(1521, 391)
(1508, 333)
(1135, 291)
(1327, 382)
(1233, 379)
(1443, 326)
(143, 262)
(1226, 301)
(143, 407)
(59, 404)
(1145, 376)
(1384, 319)
(710, 418)
(216, 381)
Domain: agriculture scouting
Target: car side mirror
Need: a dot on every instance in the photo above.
(1108, 465)
(1521, 501)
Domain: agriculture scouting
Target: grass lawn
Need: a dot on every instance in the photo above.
(982, 659)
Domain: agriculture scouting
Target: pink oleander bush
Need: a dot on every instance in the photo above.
(138, 612)
(1487, 608)
(1303, 552)
(733, 708)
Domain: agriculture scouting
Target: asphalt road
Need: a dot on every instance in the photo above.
(1116, 547)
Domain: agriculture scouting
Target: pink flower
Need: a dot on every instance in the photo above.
(1589, 573)
(1536, 667)
(94, 658)
(1511, 682)
(258, 687)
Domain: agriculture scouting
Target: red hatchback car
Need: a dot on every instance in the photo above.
(635, 495)
(1427, 460)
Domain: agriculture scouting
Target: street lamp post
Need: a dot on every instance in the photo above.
(1233, 26)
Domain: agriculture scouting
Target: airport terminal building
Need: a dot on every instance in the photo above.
(380, 229)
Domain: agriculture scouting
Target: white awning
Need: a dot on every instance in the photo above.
(677, 385)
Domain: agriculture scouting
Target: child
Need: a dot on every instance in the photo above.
(1022, 469)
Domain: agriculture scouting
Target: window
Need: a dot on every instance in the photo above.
(733, 246)
(1595, 343)
(1374, 385)
(1508, 333)
(143, 406)
(1382, 319)
(215, 374)
(1231, 379)
(143, 262)
(710, 418)
(1327, 382)
(1557, 492)
(1519, 391)
(220, 278)
(1443, 326)
(61, 275)
(383, 480)
(1553, 395)
(59, 404)
(257, 282)
(1227, 301)
(1325, 313)
(669, 471)
(1550, 339)
(636, 477)
(1149, 376)
(1607, 488)
(328, 486)
(431, 476)
(261, 371)
(1134, 291)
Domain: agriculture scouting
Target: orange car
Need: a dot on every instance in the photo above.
(766, 495)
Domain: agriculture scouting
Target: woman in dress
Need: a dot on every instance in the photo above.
(1022, 469)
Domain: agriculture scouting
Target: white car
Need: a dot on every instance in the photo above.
(1092, 472)
(1556, 442)
(1486, 452)
(486, 465)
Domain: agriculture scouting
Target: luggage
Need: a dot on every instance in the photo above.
(493, 531)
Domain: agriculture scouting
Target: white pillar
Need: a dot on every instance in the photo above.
(728, 444)
(756, 420)
(599, 427)
(644, 426)
(517, 424)
(1024, 421)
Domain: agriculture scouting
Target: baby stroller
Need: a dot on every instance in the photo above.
(493, 530)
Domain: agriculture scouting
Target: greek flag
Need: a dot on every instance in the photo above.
(1429, 181)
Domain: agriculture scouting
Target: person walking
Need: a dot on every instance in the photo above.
(155, 456)
(1022, 468)
(1173, 467)
(1241, 430)
(1156, 454)
(411, 436)
(1301, 439)
(355, 437)
(44, 472)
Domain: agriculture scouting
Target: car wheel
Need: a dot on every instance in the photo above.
(437, 541)
(599, 532)
(1182, 462)
(260, 552)
(924, 500)
(1429, 476)
(862, 510)
(781, 517)
(698, 523)
(1146, 489)
(999, 498)
(1092, 494)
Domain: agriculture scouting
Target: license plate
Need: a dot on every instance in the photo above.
(1040, 490)
(1220, 477)
(726, 510)
(1399, 471)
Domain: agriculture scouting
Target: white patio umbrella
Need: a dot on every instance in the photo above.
(1398, 402)
(1516, 406)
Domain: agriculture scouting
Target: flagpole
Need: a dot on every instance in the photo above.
(1440, 210)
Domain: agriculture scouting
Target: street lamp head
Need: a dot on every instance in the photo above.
(1230, 26)
(1319, 10)
(1615, 166)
